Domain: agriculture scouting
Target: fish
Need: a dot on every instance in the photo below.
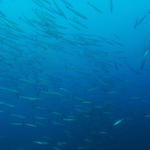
(103, 132)
(43, 14)
(52, 93)
(81, 24)
(30, 125)
(18, 116)
(147, 116)
(111, 6)
(146, 53)
(69, 119)
(16, 124)
(112, 92)
(41, 142)
(138, 22)
(9, 105)
(76, 13)
(66, 3)
(60, 12)
(118, 122)
(86, 102)
(60, 144)
(9, 90)
(134, 97)
(75, 27)
(48, 2)
(41, 3)
(6, 104)
(56, 148)
(94, 7)
(30, 98)
(132, 69)
(9, 24)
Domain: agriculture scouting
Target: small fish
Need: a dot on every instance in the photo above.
(111, 6)
(146, 53)
(60, 144)
(9, 105)
(66, 3)
(31, 125)
(76, 13)
(112, 92)
(30, 98)
(16, 124)
(9, 24)
(69, 119)
(117, 122)
(94, 7)
(81, 24)
(132, 69)
(134, 98)
(103, 132)
(138, 22)
(40, 118)
(18, 116)
(86, 102)
(60, 12)
(41, 142)
(147, 116)
(9, 90)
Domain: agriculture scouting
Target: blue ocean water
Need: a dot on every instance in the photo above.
(74, 75)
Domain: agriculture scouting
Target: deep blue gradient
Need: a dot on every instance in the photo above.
(74, 75)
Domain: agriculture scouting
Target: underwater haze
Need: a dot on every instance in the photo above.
(74, 75)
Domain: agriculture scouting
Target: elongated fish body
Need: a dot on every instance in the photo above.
(144, 58)
(94, 7)
(138, 22)
(111, 6)
(117, 122)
